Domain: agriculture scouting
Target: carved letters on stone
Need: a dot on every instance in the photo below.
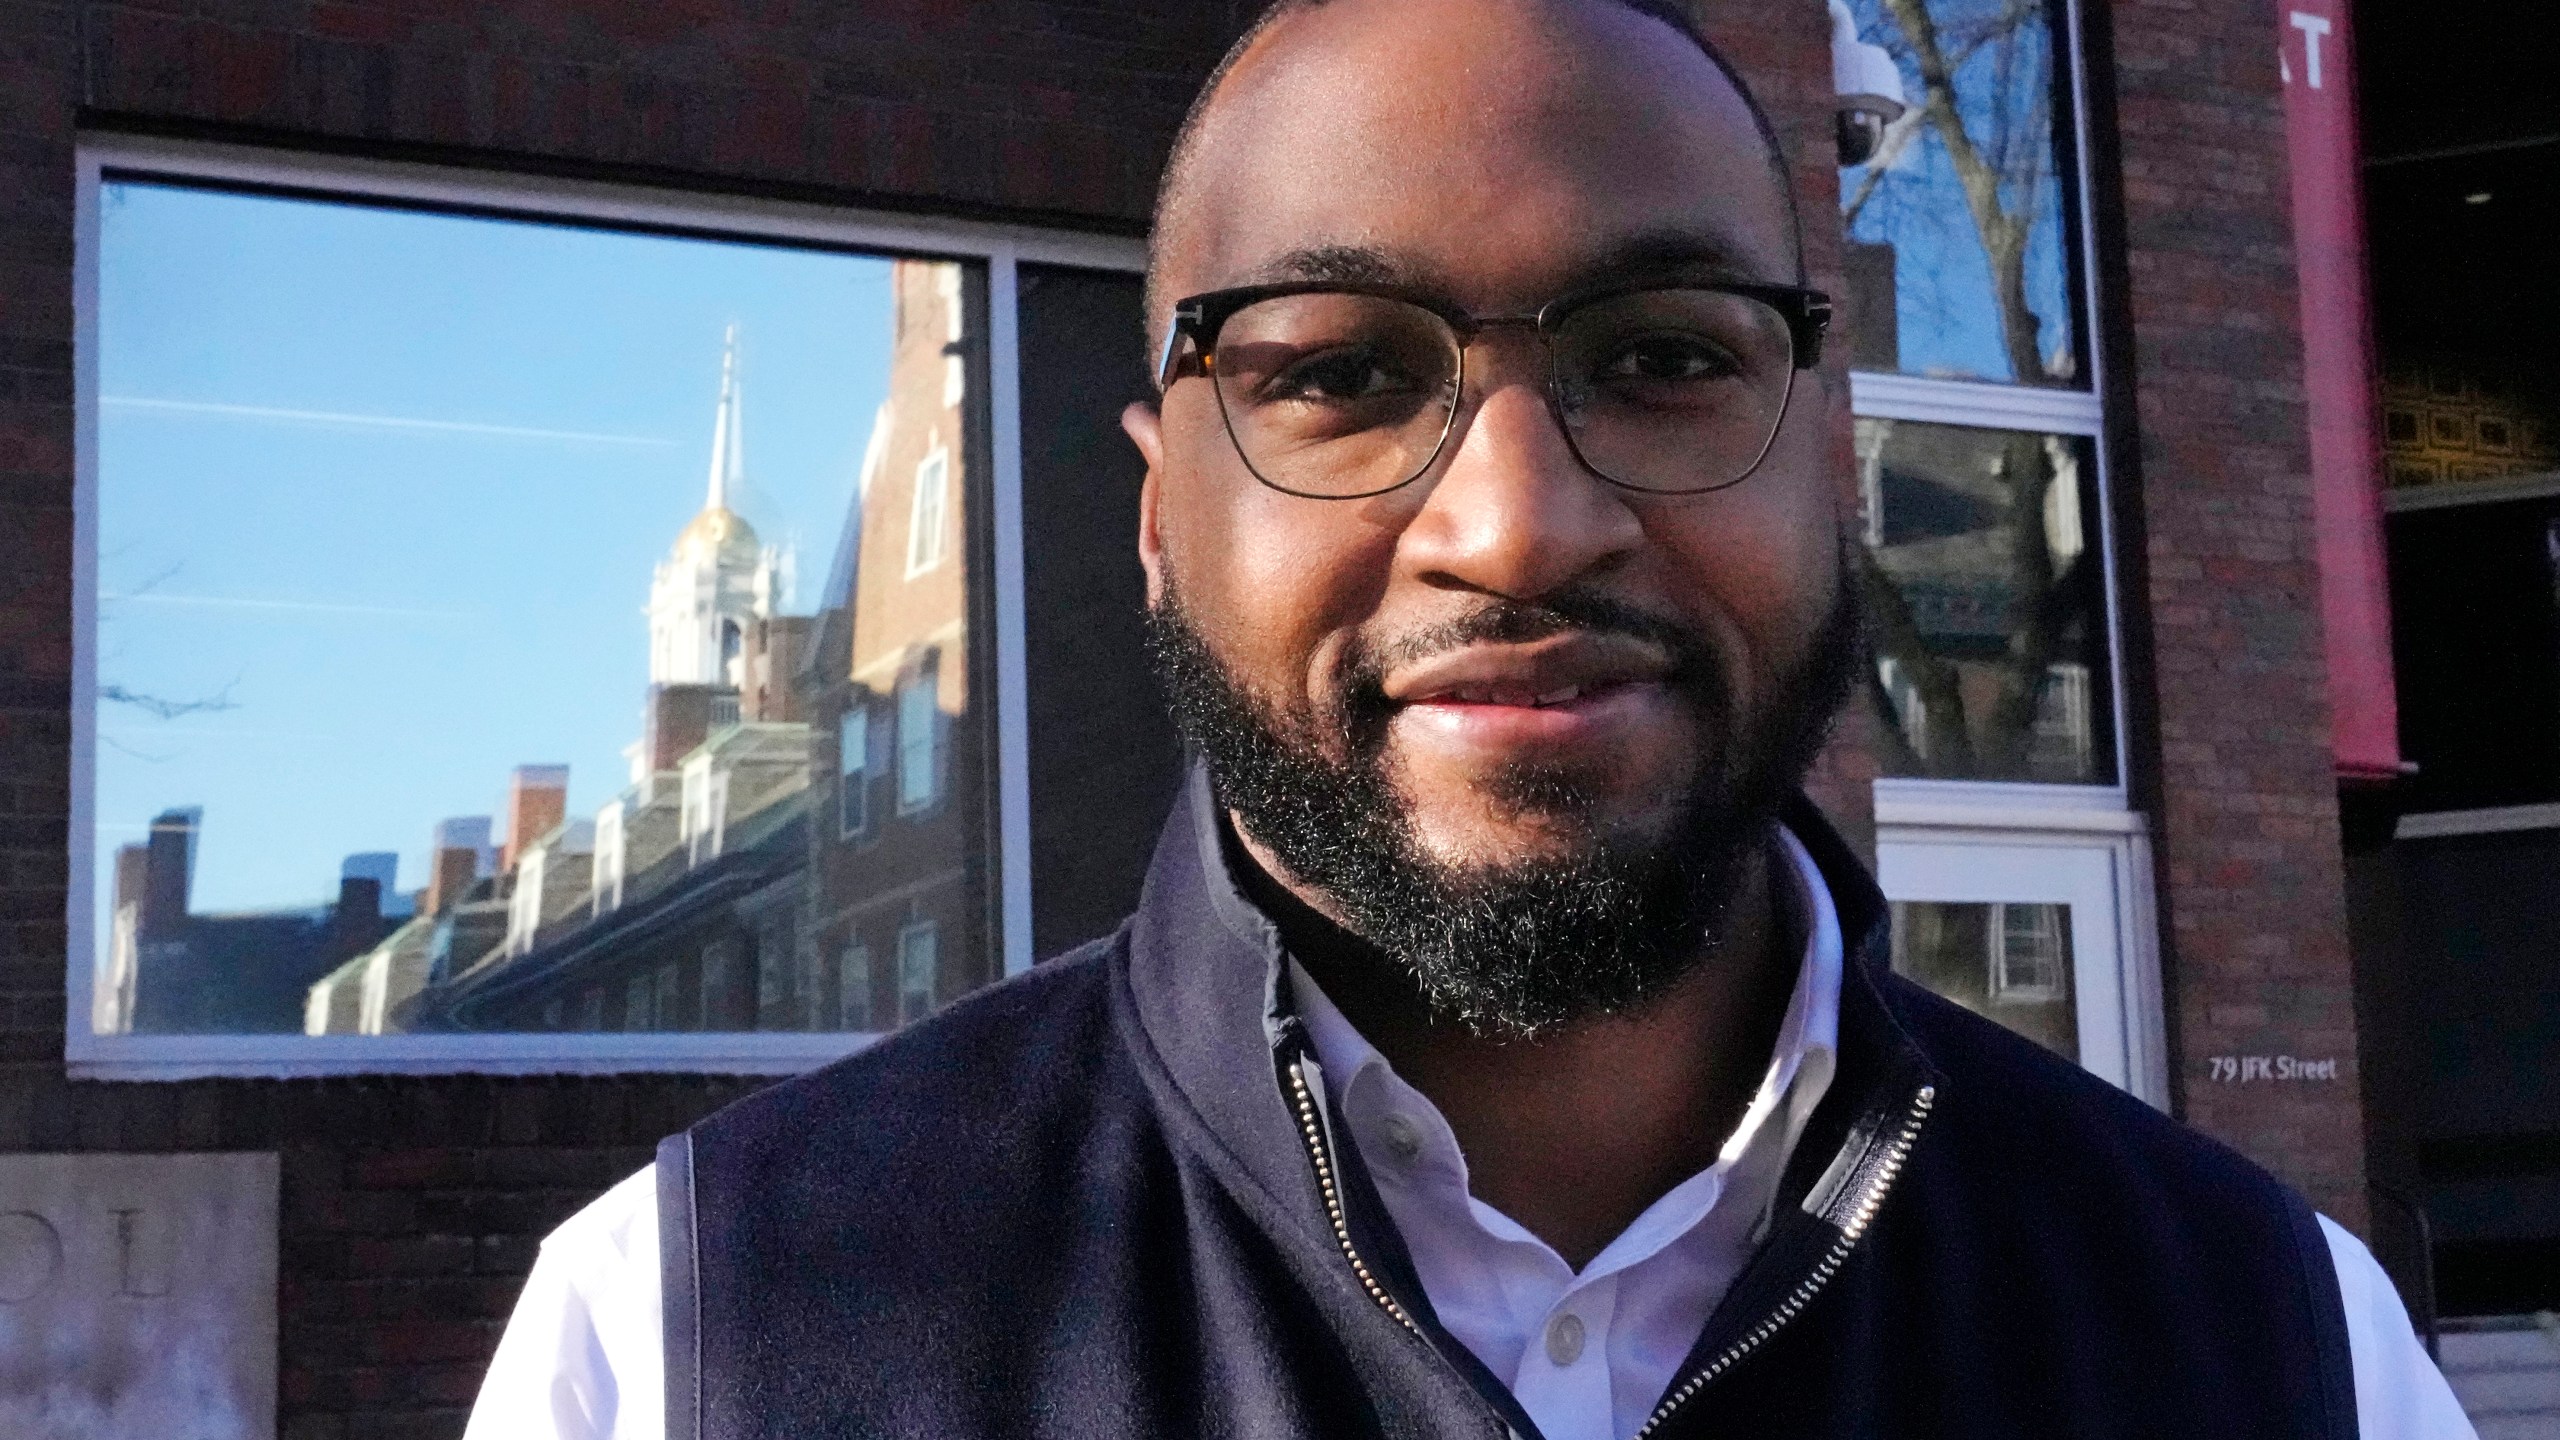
(138, 1297)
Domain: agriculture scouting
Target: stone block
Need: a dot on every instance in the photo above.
(138, 1297)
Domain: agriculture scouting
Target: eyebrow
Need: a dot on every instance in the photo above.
(1643, 255)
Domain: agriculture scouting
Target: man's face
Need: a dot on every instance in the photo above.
(1410, 648)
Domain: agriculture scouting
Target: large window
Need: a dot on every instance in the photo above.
(420, 507)
(2017, 867)
(1987, 563)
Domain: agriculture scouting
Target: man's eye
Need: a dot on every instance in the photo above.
(1667, 359)
(1336, 376)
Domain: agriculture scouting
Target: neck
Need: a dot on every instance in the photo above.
(1573, 1133)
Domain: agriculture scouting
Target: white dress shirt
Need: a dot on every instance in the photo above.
(1588, 1354)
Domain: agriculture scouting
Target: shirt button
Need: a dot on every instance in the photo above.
(1564, 1339)
(1404, 1138)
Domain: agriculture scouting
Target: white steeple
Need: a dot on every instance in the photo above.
(718, 580)
(727, 448)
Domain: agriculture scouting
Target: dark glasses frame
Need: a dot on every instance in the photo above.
(1191, 339)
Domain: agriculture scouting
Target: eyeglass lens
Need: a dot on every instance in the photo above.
(1341, 395)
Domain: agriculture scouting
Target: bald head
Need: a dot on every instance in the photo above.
(1647, 55)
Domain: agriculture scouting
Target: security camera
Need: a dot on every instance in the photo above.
(1868, 86)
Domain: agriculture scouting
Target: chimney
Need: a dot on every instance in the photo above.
(457, 857)
(774, 651)
(679, 719)
(355, 925)
(133, 869)
(537, 801)
(450, 875)
(169, 868)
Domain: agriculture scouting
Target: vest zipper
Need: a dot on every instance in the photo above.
(1314, 1132)
(1812, 1284)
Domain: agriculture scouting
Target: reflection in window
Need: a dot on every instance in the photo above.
(1985, 600)
(853, 988)
(2010, 962)
(853, 772)
(719, 984)
(919, 737)
(1959, 259)
(917, 961)
(2447, 421)
(663, 1005)
(373, 529)
(926, 522)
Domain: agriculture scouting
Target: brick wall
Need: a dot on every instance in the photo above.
(2231, 739)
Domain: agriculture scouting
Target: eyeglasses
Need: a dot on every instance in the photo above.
(1340, 391)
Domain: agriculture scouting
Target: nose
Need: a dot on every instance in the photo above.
(1513, 512)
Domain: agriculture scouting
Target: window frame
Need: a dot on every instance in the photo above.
(927, 544)
(998, 249)
(931, 935)
(853, 959)
(853, 781)
(2122, 1018)
(923, 677)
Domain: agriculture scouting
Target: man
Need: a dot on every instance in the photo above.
(1500, 1047)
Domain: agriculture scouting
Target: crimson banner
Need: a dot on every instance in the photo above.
(2339, 382)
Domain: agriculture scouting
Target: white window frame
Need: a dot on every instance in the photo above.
(2120, 1017)
(929, 512)
(999, 249)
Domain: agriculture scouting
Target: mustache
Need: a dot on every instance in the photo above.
(1517, 622)
(1360, 680)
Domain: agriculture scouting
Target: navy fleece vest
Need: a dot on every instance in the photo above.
(1087, 1203)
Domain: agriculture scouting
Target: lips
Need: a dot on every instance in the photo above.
(1544, 674)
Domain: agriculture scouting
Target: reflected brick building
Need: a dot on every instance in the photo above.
(900, 834)
(802, 845)
(171, 970)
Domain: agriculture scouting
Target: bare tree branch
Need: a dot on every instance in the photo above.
(165, 709)
(2004, 234)
(1896, 636)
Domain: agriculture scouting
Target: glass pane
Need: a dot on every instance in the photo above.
(2009, 962)
(611, 538)
(1961, 259)
(2447, 419)
(1986, 598)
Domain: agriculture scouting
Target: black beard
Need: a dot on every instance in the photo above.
(1520, 949)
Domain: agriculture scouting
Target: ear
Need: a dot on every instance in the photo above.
(1144, 424)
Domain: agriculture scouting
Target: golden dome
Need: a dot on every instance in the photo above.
(718, 528)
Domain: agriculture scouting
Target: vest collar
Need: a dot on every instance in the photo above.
(1206, 977)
